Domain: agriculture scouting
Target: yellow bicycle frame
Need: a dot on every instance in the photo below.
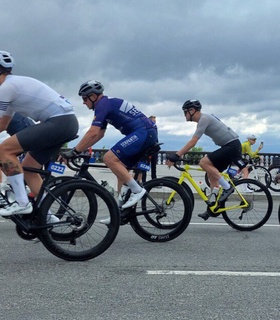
(215, 208)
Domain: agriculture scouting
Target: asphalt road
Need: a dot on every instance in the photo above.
(210, 272)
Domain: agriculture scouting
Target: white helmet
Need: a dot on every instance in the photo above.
(6, 59)
(251, 137)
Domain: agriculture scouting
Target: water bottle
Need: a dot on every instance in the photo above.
(203, 186)
(213, 197)
(106, 185)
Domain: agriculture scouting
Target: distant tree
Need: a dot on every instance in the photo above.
(192, 156)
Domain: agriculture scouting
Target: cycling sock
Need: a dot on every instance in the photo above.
(225, 185)
(18, 186)
(134, 186)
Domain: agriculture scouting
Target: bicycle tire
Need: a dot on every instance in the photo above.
(274, 170)
(259, 210)
(171, 221)
(185, 186)
(207, 180)
(260, 174)
(79, 235)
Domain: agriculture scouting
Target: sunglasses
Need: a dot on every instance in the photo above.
(84, 99)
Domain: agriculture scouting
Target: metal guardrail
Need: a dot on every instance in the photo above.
(192, 157)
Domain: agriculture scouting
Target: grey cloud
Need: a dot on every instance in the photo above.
(156, 54)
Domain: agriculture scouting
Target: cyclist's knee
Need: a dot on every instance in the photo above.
(204, 162)
(109, 158)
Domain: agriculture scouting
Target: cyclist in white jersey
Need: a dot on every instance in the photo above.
(31, 98)
(217, 161)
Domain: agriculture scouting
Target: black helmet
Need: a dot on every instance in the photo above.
(189, 104)
(90, 87)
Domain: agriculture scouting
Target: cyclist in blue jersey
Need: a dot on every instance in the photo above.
(139, 131)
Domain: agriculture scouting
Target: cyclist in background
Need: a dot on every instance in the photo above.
(34, 99)
(247, 151)
(140, 133)
(217, 161)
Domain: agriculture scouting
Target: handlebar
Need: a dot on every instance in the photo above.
(74, 165)
(177, 165)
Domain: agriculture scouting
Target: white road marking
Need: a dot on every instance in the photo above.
(225, 224)
(214, 273)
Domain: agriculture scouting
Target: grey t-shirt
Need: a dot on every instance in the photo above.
(213, 127)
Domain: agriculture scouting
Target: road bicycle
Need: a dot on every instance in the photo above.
(244, 211)
(256, 172)
(79, 205)
(161, 215)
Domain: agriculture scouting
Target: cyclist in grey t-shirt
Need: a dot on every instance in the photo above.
(219, 160)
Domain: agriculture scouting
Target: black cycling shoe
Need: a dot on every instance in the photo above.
(204, 215)
(226, 193)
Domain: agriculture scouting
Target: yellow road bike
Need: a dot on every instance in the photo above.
(246, 209)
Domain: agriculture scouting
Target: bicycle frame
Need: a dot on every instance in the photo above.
(216, 209)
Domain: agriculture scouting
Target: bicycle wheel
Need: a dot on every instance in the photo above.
(185, 186)
(275, 178)
(259, 209)
(79, 235)
(157, 220)
(260, 174)
(206, 179)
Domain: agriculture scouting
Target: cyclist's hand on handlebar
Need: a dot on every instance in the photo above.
(171, 158)
(73, 153)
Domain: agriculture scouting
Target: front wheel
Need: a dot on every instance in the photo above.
(261, 174)
(164, 212)
(258, 210)
(275, 178)
(78, 235)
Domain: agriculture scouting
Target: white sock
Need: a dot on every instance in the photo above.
(134, 186)
(17, 183)
(225, 185)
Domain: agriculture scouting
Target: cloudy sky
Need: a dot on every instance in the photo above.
(157, 54)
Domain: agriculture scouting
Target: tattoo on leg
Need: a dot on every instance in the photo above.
(10, 168)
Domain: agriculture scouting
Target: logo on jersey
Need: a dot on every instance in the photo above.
(129, 141)
(129, 108)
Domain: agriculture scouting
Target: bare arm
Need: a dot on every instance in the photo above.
(93, 135)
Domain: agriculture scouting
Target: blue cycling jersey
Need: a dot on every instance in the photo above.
(121, 114)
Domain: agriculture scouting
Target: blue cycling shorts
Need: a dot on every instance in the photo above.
(130, 149)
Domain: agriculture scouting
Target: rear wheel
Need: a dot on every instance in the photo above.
(259, 207)
(78, 235)
(163, 213)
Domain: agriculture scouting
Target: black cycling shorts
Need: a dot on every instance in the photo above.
(224, 156)
(45, 139)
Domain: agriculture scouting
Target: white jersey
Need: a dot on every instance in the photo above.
(31, 98)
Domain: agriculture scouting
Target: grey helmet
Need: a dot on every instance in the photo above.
(6, 60)
(90, 87)
(189, 104)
